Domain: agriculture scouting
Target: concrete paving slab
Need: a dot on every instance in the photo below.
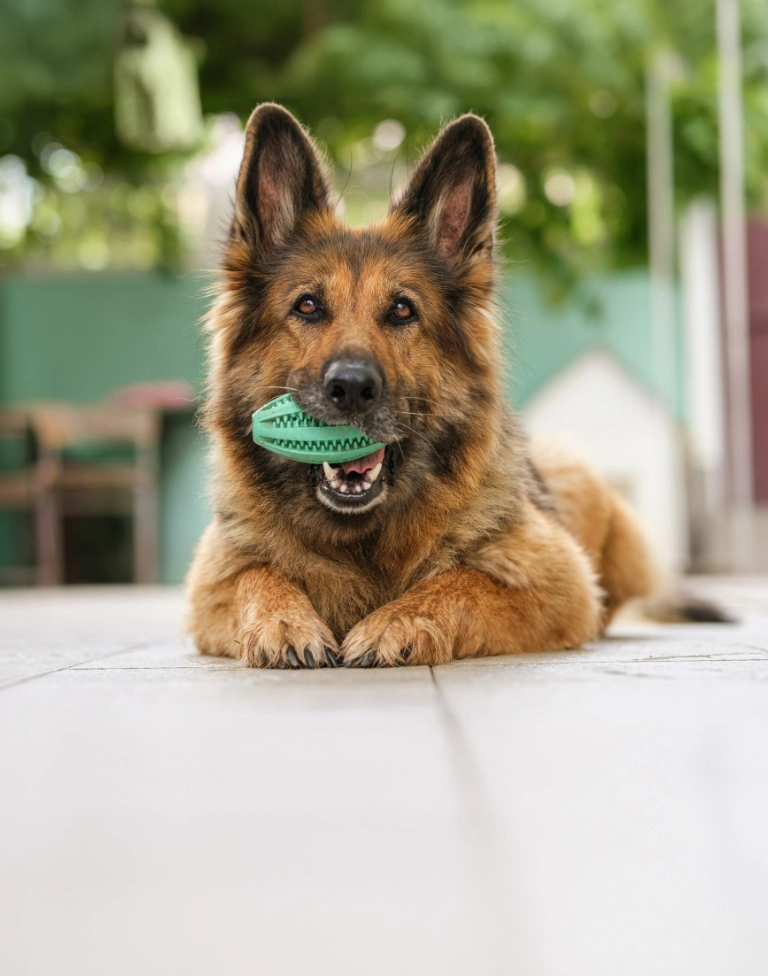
(595, 812)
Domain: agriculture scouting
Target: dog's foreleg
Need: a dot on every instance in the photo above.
(254, 614)
(277, 625)
(533, 589)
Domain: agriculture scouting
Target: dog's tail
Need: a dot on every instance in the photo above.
(628, 570)
(677, 607)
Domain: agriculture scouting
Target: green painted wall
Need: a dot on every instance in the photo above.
(78, 337)
(184, 509)
(612, 312)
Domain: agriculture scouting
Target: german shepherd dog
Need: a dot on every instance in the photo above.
(457, 539)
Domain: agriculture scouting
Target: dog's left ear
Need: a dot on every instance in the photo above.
(451, 195)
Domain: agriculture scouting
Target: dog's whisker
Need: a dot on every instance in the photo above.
(424, 399)
(272, 386)
(412, 430)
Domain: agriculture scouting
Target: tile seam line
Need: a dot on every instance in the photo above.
(71, 667)
(86, 666)
(477, 809)
(463, 764)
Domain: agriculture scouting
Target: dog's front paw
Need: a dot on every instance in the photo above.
(284, 640)
(397, 634)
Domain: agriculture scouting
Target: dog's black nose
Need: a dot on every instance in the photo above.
(353, 385)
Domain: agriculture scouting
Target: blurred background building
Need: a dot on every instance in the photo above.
(632, 137)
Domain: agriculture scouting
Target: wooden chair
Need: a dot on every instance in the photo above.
(72, 477)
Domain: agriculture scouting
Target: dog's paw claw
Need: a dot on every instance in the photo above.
(395, 635)
(331, 658)
(293, 658)
(283, 641)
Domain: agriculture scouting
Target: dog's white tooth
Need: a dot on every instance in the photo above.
(343, 488)
(359, 488)
(330, 474)
(375, 472)
(366, 485)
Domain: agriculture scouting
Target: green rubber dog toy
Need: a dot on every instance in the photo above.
(284, 428)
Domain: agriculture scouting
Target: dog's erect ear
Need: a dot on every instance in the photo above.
(281, 178)
(452, 192)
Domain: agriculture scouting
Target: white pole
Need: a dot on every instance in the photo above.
(699, 271)
(661, 70)
(735, 300)
(705, 394)
(661, 220)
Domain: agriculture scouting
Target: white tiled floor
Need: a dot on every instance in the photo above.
(596, 813)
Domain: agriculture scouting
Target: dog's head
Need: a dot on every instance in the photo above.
(387, 328)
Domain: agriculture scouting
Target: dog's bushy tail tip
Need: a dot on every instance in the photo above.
(682, 608)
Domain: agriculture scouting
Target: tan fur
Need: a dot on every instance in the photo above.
(602, 522)
(468, 553)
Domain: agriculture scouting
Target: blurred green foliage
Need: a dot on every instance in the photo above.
(561, 84)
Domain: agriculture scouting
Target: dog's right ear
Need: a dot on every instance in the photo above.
(282, 177)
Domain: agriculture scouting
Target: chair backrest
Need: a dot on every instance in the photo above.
(13, 422)
(60, 427)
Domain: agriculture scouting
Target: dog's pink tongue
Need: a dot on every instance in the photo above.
(363, 464)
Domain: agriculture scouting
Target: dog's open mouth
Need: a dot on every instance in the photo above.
(354, 485)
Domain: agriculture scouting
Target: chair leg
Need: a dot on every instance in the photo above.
(145, 534)
(49, 539)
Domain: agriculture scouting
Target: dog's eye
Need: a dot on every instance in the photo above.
(402, 311)
(307, 305)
